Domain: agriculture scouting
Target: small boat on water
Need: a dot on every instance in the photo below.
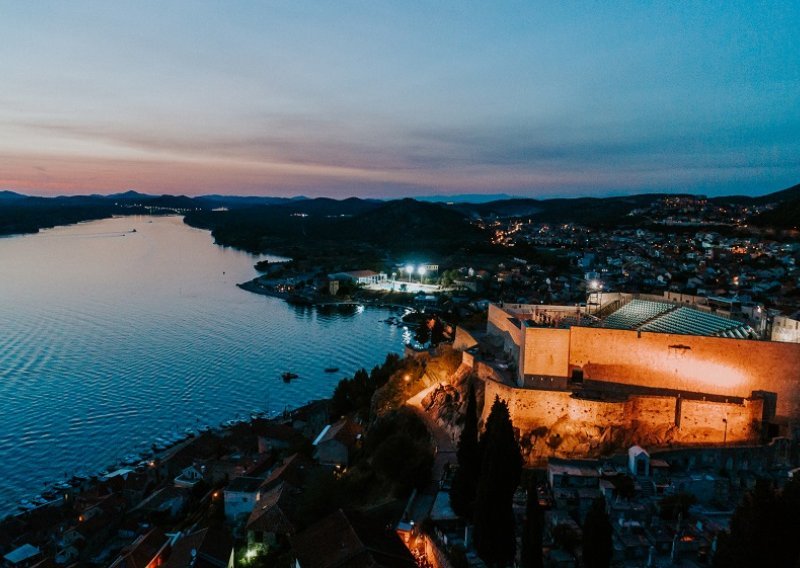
(287, 376)
(332, 370)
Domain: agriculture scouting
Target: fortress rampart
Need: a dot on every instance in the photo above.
(559, 423)
(690, 363)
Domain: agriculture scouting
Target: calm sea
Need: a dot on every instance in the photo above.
(111, 337)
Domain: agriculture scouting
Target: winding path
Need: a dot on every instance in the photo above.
(445, 448)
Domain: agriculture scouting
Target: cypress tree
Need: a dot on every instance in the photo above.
(764, 527)
(533, 534)
(501, 467)
(597, 533)
(465, 481)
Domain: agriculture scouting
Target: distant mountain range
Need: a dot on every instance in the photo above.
(465, 198)
(247, 220)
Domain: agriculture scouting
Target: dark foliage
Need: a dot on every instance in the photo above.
(322, 495)
(501, 467)
(673, 506)
(764, 529)
(399, 448)
(566, 537)
(597, 534)
(465, 481)
(533, 533)
(354, 395)
(401, 226)
(785, 216)
(28, 214)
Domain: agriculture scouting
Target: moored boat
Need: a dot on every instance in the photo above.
(288, 376)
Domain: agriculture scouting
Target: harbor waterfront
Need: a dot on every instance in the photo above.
(123, 333)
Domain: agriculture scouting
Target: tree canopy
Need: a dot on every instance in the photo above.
(465, 481)
(764, 529)
(501, 467)
(597, 536)
(533, 534)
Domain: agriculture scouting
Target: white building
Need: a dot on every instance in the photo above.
(241, 496)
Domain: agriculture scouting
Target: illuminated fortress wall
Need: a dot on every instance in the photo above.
(546, 351)
(712, 365)
(728, 367)
(499, 325)
(554, 423)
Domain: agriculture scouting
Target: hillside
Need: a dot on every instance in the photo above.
(785, 216)
(271, 223)
(21, 214)
(784, 195)
(402, 226)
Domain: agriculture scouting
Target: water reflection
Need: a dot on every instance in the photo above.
(110, 338)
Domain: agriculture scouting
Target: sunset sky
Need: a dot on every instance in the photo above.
(399, 98)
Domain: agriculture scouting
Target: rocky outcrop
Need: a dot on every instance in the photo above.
(447, 401)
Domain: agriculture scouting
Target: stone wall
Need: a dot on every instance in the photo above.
(498, 324)
(555, 423)
(785, 329)
(546, 351)
(463, 339)
(713, 365)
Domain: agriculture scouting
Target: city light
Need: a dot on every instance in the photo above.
(409, 269)
(421, 271)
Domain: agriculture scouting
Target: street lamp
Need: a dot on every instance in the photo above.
(595, 287)
(421, 270)
(409, 271)
(725, 435)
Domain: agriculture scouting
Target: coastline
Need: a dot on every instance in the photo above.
(256, 287)
(198, 381)
(59, 493)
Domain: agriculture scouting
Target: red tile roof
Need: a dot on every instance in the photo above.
(343, 540)
(144, 551)
(212, 549)
(275, 512)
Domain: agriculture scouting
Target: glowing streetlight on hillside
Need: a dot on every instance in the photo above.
(595, 287)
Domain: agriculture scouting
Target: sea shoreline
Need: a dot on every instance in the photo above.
(58, 493)
(257, 288)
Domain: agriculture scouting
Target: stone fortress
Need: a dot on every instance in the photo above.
(669, 371)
